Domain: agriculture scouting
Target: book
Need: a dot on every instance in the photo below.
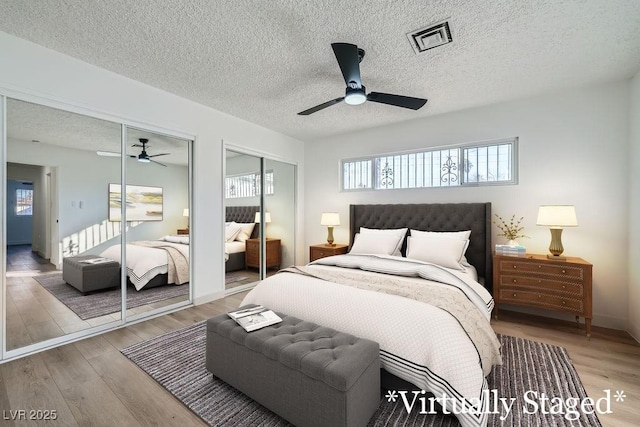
(96, 260)
(254, 318)
(507, 250)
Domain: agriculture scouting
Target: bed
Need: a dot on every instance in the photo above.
(152, 263)
(235, 250)
(432, 322)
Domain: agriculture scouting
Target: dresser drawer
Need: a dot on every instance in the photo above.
(542, 268)
(542, 300)
(320, 253)
(575, 288)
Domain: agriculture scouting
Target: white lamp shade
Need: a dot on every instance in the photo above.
(267, 217)
(185, 212)
(557, 216)
(330, 219)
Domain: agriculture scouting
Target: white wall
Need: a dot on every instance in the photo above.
(573, 150)
(32, 70)
(634, 210)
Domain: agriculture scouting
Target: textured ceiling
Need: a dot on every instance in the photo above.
(266, 61)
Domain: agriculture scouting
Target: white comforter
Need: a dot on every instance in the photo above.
(144, 263)
(420, 343)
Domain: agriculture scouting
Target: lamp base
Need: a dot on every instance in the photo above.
(557, 257)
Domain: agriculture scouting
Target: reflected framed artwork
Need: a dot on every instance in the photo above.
(142, 203)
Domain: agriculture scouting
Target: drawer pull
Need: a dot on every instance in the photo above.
(564, 287)
(539, 266)
(564, 271)
(515, 295)
(564, 302)
(515, 281)
(515, 266)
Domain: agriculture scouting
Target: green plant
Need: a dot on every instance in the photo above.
(512, 229)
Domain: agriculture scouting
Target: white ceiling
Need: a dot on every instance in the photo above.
(266, 61)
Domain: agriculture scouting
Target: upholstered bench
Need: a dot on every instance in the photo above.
(308, 374)
(87, 277)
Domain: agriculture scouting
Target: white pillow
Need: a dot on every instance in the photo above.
(374, 243)
(437, 250)
(176, 239)
(245, 231)
(398, 233)
(231, 231)
(462, 235)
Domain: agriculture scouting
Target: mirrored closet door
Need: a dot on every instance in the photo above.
(56, 222)
(259, 196)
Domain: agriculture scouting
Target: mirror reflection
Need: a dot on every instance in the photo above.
(57, 223)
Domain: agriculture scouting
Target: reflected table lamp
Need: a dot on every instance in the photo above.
(556, 217)
(330, 220)
(185, 213)
(267, 218)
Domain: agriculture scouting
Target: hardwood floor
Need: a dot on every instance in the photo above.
(91, 383)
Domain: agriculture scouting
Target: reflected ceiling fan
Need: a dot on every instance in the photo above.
(349, 57)
(142, 157)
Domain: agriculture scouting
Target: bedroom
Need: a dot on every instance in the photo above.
(604, 236)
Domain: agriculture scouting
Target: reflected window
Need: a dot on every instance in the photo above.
(247, 185)
(24, 202)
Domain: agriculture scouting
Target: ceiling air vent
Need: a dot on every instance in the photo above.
(430, 37)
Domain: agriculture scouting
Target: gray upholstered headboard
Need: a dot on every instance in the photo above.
(435, 217)
(243, 214)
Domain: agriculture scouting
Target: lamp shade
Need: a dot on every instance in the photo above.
(557, 216)
(267, 217)
(185, 212)
(330, 219)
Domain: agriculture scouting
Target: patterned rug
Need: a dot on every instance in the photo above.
(177, 361)
(109, 301)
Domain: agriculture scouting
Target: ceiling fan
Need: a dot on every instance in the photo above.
(143, 157)
(349, 57)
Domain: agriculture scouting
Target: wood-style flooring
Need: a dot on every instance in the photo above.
(90, 382)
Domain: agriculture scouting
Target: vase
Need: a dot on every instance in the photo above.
(512, 243)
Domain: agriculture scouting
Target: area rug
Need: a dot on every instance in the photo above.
(235, 276)
(177, 361)
(109, 301)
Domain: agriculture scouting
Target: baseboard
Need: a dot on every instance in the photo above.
(203, 299)
(634, 331)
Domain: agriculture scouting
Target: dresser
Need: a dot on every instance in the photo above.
(182, 231)
(252, 253)
(536, 281)
(324, 250)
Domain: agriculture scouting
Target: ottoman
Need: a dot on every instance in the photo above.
(87, 277)
(308, 374)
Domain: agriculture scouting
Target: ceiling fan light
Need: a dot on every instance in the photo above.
(355, 96)
(144, 160)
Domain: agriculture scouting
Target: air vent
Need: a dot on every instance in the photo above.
(430, 37)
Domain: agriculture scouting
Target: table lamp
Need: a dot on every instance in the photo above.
(556, 217)
(330, 219)
(267, 218)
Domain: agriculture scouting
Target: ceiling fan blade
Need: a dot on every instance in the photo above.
(158, 163)
(163, 154)
(321, 106)
(397, 100)
(349, 62)
(133, 156)
(108, 153)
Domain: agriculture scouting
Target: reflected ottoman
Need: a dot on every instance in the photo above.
(87, 277)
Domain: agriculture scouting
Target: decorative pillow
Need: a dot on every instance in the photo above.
(397, 233)
(176, 239)
(437, 250)
(231, 231)
(245, 231)
(374, 243)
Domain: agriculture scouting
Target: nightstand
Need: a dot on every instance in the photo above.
(536, 281)
(183, 231)
(324, 250)
(252, 253)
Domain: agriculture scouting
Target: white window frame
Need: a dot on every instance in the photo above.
(460, 177)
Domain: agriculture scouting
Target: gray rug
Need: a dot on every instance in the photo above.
(235, 276)
(108, 301)
(177, 361)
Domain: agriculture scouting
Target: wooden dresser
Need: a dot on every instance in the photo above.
(252, 253)
(324, 250)
(182, 231)
(535, 281)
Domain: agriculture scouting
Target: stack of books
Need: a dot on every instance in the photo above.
(507, 250)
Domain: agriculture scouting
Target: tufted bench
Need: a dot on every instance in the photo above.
(87, 277)
(308, 374)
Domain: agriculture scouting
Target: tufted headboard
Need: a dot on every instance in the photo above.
(243, 214)
(434, 217)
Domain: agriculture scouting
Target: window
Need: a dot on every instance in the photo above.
(492, 163)
(24, 202)
(247, 185)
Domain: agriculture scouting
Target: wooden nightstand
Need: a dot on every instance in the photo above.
(183, 231)
(324, 250)
(252, 253)
(535, 281)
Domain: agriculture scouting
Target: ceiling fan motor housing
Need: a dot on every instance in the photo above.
(355, 96)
